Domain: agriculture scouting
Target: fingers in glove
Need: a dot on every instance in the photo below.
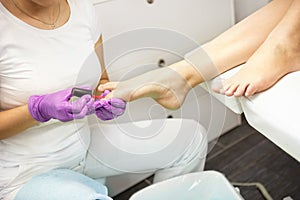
(104, 114)
(98, 104)
(86, 110)
(114, 110)
(117, 111)
(105, 93)
(66, 94)
(78, 105)
(90, 106)
(117, 103)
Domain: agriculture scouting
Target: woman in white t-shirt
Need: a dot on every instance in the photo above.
(44, 46)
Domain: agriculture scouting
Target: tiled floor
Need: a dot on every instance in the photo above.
(244, 155)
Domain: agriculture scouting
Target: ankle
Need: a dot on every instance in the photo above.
(188, 72)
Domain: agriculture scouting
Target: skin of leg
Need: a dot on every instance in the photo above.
(276, 57)
(168, 86)
(229, 49)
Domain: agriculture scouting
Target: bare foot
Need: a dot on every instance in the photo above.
(166, 86)
(267, 65)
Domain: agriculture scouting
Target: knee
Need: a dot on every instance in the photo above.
(195, 156)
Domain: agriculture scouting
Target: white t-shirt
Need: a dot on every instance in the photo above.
(33, 62)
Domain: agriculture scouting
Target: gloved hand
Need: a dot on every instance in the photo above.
(109, 109)
(57, 106)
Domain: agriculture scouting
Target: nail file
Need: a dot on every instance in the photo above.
(79, 92)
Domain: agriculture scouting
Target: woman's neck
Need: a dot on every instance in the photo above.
(43, 14)
(44, 11)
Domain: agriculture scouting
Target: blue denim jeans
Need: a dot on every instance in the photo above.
(62, 184)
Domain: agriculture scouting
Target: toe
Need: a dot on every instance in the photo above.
(231, 89)
(240, 90)
(251, 90)
(218, 86)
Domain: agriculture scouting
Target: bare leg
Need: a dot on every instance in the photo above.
(226, 51)
(236, 45)
(276, 57)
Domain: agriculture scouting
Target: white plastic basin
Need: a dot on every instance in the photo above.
(207, 185)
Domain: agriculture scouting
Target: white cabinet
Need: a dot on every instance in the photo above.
(199, 19)
(140, 36)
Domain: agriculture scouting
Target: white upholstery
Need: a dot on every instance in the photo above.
(274, 112)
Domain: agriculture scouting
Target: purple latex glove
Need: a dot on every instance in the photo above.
(109, 109)
(57, 106)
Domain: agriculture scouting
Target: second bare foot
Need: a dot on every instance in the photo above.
(267, 65)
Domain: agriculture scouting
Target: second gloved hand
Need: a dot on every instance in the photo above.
(107, 109)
